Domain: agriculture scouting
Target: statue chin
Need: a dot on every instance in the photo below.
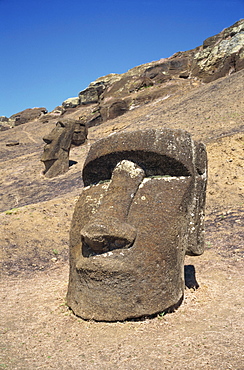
(48, 164)
(56, 167)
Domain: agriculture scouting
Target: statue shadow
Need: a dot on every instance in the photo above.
(71, 163)
(190, 277)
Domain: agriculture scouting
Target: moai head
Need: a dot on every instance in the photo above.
(58, 144)
(140, 213)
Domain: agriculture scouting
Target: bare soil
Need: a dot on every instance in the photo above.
(205, 332)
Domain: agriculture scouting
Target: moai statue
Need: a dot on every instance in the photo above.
(58, 144)
(140, 213)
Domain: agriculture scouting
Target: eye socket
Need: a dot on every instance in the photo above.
(153, 164)
(60, 124)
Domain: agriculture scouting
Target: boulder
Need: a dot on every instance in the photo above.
(141, 83)
(27, 115)
(90, 95)
(4, 128)
(71, 102)
(113, 109)
(3, 119)
(95, 119)
(93, 92)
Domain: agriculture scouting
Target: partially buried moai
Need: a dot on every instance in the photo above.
(140, 213)
(58, 143)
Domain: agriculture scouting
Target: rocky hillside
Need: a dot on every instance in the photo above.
(113, 95)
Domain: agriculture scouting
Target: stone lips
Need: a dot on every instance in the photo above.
(110, 281)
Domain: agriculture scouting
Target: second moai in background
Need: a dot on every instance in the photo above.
(58, 143)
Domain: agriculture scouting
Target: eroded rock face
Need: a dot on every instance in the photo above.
(93, 92)
(114, 109)
(58, 144)
(115, 94)
(221, 54)
(3, 119)
(26, 116)
(89, 95)
(71, 103)
(141, 212)
(4, 128)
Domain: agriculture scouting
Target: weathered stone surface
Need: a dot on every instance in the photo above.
(96, 88)
(58, 144)
(140, 83)
(90, 95)
(164, 70)
(27, 115)
(3, 119)
(58, 111)
(113, 109)
(95, 119)
(71, 102)
(119, 88)
(107, 80)
(142, 210)
(221, 54)
(4, 128)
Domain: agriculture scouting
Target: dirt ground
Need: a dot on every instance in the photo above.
(38, 331)
(206, 332)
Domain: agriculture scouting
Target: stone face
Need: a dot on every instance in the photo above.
(141, 212)
(58, 143)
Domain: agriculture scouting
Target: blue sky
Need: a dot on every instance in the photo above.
(52, 49)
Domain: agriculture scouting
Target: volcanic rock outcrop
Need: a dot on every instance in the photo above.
(26, 115)
(114, 94)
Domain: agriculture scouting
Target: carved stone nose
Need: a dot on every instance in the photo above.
(109, 230)
(103, 237)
